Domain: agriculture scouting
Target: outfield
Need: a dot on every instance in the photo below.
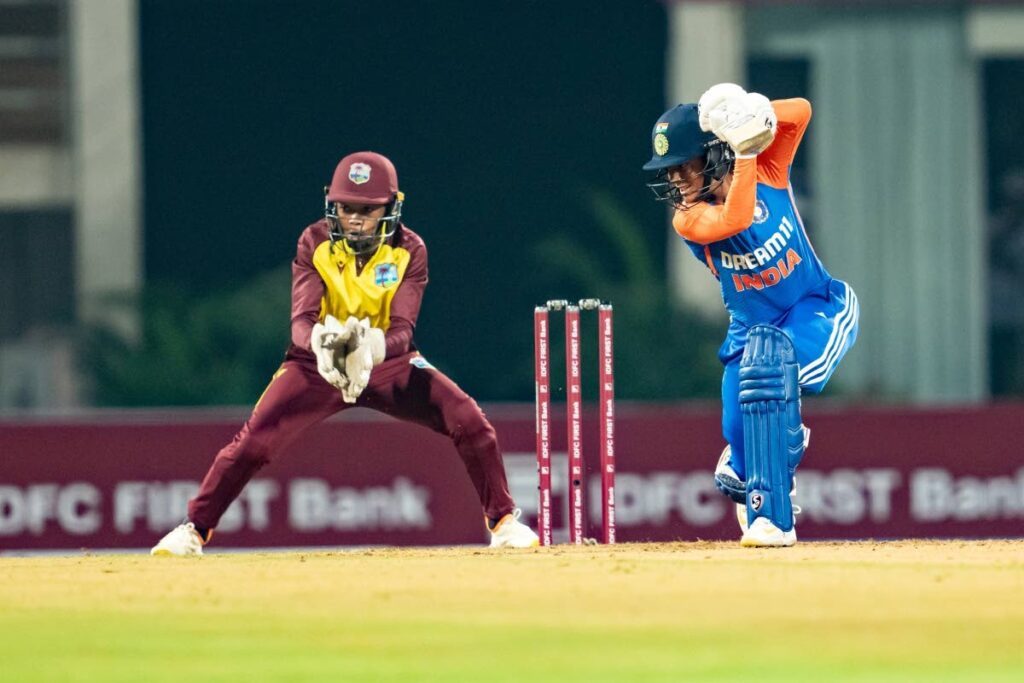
(666, 612)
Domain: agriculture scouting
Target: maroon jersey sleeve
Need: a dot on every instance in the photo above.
(405, 307)
(307, 289)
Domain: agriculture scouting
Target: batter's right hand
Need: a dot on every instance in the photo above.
(747, 124)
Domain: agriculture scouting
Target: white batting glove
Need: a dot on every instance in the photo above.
(764, 114)
(713, 98)
(762, 107)
(747, 124)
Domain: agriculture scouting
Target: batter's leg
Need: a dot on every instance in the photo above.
(730, 473)
(769, 397)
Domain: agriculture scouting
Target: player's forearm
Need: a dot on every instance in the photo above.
(302, 328)
(738, 210)
(792, 114)
(405, 308)
(398, 339)
(307, 293)
(773, 164)
(708, 224)
(793, 117)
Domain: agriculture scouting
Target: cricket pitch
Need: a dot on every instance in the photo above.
(865, 611)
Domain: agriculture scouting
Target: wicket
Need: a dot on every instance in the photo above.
(574, 417)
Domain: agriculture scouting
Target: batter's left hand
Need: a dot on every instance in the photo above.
(747, 124)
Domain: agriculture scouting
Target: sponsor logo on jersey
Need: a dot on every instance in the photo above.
(359, 173)
(421, 363)
(769, 277)
(385, 275)
(660, 144)
(763, 254)
(760, 211)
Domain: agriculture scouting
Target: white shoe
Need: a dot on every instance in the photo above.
(741, 517)
(763, 534)
(182, 541)
(509, 532)
(741, 510)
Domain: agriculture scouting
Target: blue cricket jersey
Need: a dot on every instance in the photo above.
(764, 270)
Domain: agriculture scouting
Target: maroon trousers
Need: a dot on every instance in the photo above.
(404, 387)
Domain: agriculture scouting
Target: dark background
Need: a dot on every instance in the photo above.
(507, 122)
(518, 130)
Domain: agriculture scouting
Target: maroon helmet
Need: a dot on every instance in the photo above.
(364, 178)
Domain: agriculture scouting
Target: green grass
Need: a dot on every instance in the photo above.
(670, 612)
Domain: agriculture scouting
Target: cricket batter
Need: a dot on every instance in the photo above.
(724, 165)
(358, 264)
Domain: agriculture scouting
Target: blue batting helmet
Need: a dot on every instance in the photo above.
(677, 138)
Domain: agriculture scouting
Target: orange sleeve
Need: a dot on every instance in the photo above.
(707, 223)
(773, 163)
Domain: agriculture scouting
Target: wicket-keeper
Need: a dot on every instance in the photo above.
(357, 282)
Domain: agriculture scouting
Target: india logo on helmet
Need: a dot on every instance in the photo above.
(359, 173)
(660, 144)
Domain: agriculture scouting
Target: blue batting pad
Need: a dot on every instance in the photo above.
(773, 437)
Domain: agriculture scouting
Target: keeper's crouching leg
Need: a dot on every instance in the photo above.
(231, 470)
(296, 398)
(410, 388)
(477, 444)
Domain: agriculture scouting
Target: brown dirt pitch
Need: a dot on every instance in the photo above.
(929, 611)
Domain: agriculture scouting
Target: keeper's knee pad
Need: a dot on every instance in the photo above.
(773, 435)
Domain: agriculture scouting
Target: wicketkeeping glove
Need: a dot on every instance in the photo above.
(365, 352)
(329, 342)
(324, 341)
